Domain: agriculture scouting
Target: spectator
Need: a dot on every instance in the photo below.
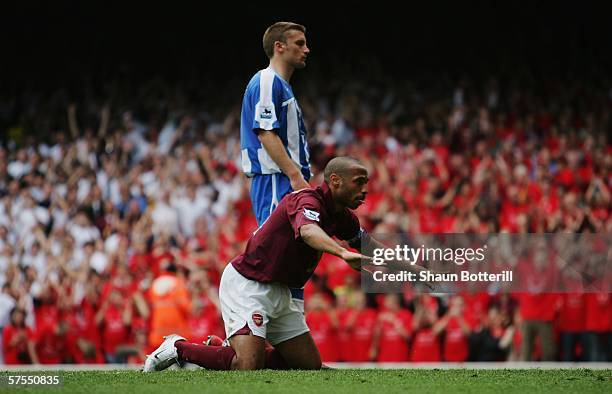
(597, 325)
(456, 331)
(360, 324)
(323, 323)
(18, 340)
(119, 197)
(392, 332)
(55, 337)
(538, 310)
(205, 318)
(492, 342)
(170, 304)
(114, 318)
(572, 326)
(426, 339)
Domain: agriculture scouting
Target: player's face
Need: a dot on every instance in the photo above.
(295, 49)
(354, 187)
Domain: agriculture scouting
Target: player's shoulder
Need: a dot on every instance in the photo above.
(310, 191)
(264, 82)
(308, 195)
(254, 82)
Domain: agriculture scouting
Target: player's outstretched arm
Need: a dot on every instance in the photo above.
(274, 146)
(316, 238)
(366, 243)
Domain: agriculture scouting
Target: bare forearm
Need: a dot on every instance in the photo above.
(127, 315)
(465, 328)
(100, 315)
(32, 352)
(441, 325)
(274, 146)
(316, 238)
(141, 305)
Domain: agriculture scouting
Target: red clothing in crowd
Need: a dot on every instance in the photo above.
(345, 344)
(202, 326)
(85, 324)
(114, 331)
(18, 352)
(392, 346)
(52, 345)
(509, 216)
(572, 312)
(456, 346)
(206, 322)
(425, 346)
(541, 307)
(324, 334)
(598, 311)
(476, 306)
(565, 177)
(550, 203)
(84, 330)
(140, 263)
(429, 219)
(46, 314)
(361, 334)
(335, 270)
(537, 304)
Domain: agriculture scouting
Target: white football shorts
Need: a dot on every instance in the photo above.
(268, 309)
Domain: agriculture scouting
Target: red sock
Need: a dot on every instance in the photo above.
(220, 357)
(210, 357)
(274, 360)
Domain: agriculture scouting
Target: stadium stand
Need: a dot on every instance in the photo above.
(109, 205)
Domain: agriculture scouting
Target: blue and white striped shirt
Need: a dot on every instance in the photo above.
(269, 104)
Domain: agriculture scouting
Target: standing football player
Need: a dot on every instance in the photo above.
(272, 131)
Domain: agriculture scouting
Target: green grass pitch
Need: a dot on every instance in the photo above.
(334, 381)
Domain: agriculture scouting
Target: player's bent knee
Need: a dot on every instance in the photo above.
(314, 363)
(247, 363)
(313, 366)
(308, 362)
(249, 352)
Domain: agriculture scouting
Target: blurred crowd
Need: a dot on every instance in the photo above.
(117, 218)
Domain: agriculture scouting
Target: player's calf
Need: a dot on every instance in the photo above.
(273, 358)
(247, 352)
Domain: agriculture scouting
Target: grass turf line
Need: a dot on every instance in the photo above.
(334, 381)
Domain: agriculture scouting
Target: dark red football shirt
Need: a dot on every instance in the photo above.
(277, 253)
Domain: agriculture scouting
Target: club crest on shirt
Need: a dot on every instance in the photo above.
(311, 215)
(257, 319)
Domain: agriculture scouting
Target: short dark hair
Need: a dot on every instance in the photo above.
(339, 165)
(276, 32)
